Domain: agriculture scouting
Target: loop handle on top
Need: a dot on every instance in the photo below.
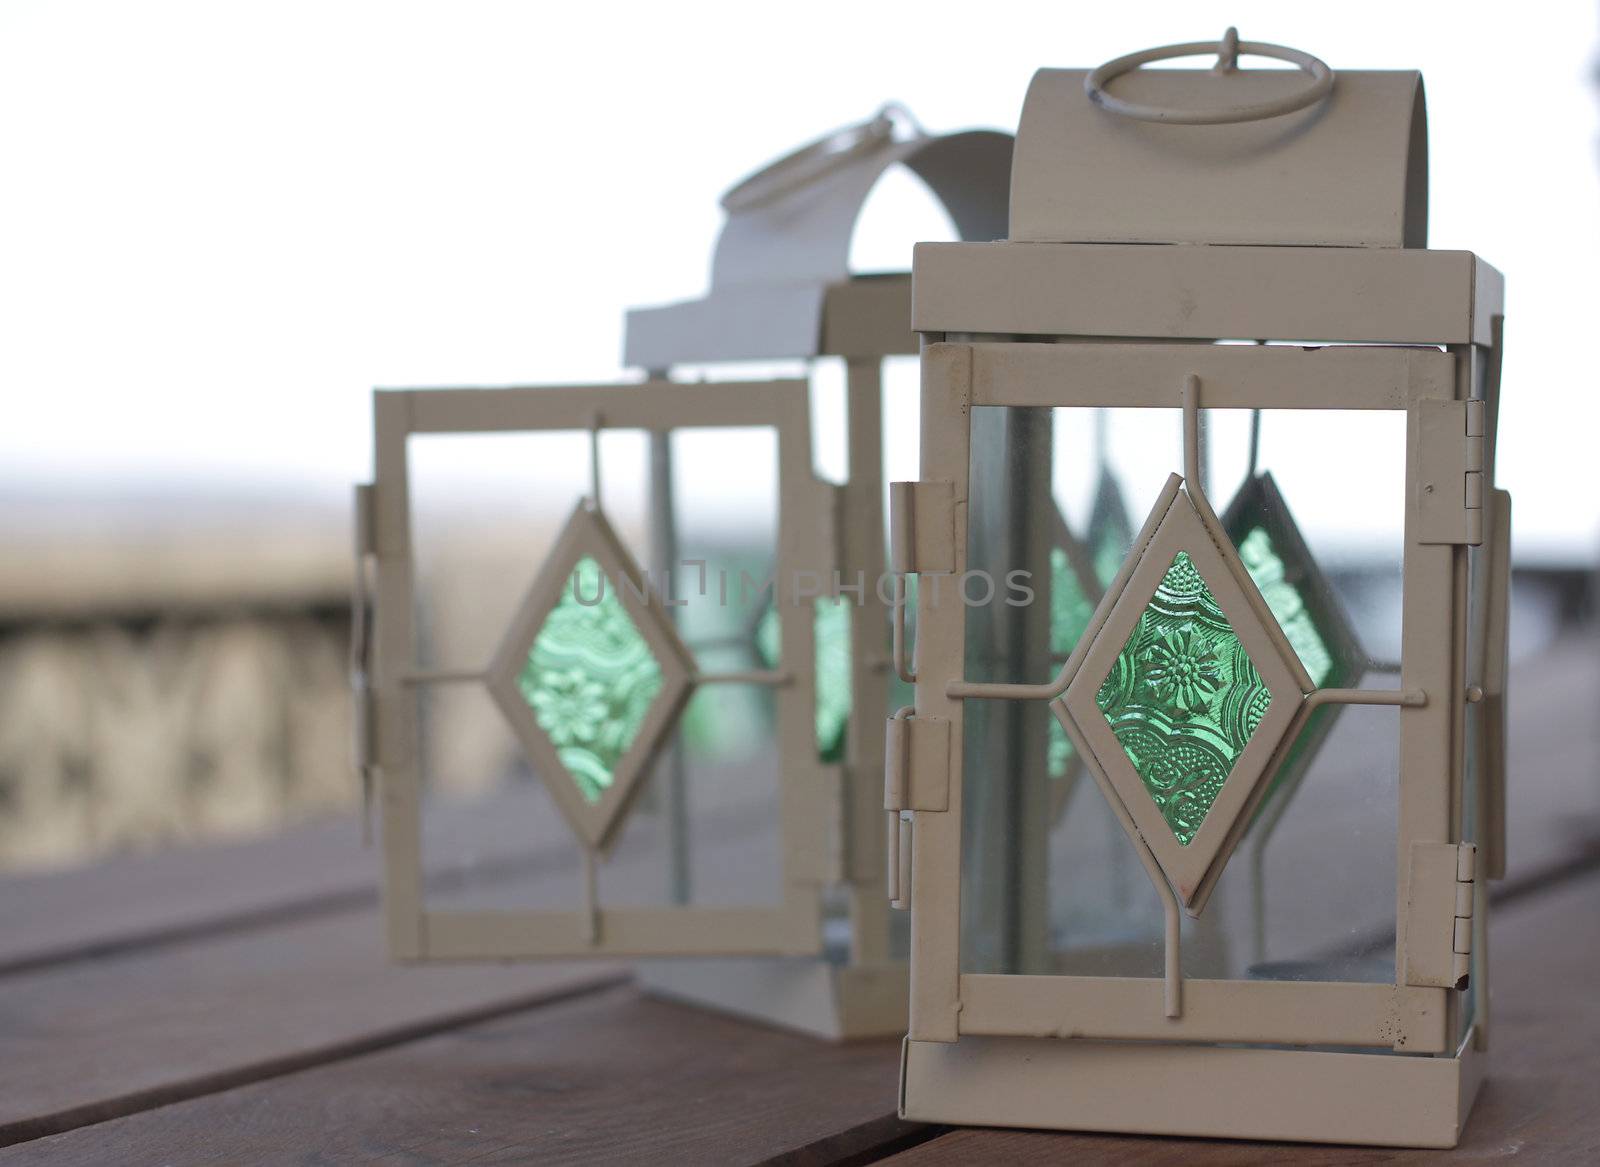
(1228, 50)
(819, 158)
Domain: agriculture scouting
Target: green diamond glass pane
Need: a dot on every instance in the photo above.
(1288, 606)
(590, 679)
(832, 637)
(1070, 612)
(1183, 698)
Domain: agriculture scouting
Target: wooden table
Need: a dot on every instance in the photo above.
(235, 1005)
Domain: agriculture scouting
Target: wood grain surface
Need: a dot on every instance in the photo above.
(606, 1078)
(94, 1039)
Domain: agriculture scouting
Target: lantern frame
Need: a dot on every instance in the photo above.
(1116, 1058)
(807, 791)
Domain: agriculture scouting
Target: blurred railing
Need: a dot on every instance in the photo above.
(131, 734)
(205, 698)
(168, 673)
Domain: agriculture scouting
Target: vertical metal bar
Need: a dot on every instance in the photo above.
(1006, 825)
(395, 649)
(861, 552)
(663, 558)
(937, 861)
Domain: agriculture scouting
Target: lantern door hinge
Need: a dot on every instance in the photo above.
(922, 527)
(899, 866)
(1438, 949)
(917, 764)
(916, 777)
(1449, 451)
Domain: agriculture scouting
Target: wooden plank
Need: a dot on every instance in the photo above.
(317, 869)
(1538, 1103)
(93, 911)
(87, 1041)
(606, 1078)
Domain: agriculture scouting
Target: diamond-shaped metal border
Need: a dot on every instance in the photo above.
(1181, 529)
(588, 533)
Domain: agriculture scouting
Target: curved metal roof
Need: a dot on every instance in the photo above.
(1348, 171)
(779, 253)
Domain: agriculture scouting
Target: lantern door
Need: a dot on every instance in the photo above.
(1218, 692)
(580, 749)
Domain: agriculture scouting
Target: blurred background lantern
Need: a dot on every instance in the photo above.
(730, 813)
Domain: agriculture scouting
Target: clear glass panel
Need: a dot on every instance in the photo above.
(485, 512)
(1049, 877)
(705, 828)
(1110, 529)
(492, 835)
(1183, 698)
(1337, 533)
(1310, 892)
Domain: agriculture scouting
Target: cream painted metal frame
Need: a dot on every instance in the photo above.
(809, 793)
(1033, 1050)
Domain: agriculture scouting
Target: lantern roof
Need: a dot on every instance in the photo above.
(784, 250)
(1117, 157)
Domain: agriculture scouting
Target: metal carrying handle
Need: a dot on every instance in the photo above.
(819, 158)
(1228, 50)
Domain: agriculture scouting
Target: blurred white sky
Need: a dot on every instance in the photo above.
(222, 223)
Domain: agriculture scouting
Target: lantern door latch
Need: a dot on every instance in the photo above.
(1449, 461)
(1438, 949)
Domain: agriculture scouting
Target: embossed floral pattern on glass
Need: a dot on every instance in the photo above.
(589, 679)
(1183, 698)
(1288, 606)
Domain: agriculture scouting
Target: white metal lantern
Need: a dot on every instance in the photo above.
(820, 959)
(1194, 250)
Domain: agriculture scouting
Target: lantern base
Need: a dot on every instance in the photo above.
(1388, 1100)
(836, 1002)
